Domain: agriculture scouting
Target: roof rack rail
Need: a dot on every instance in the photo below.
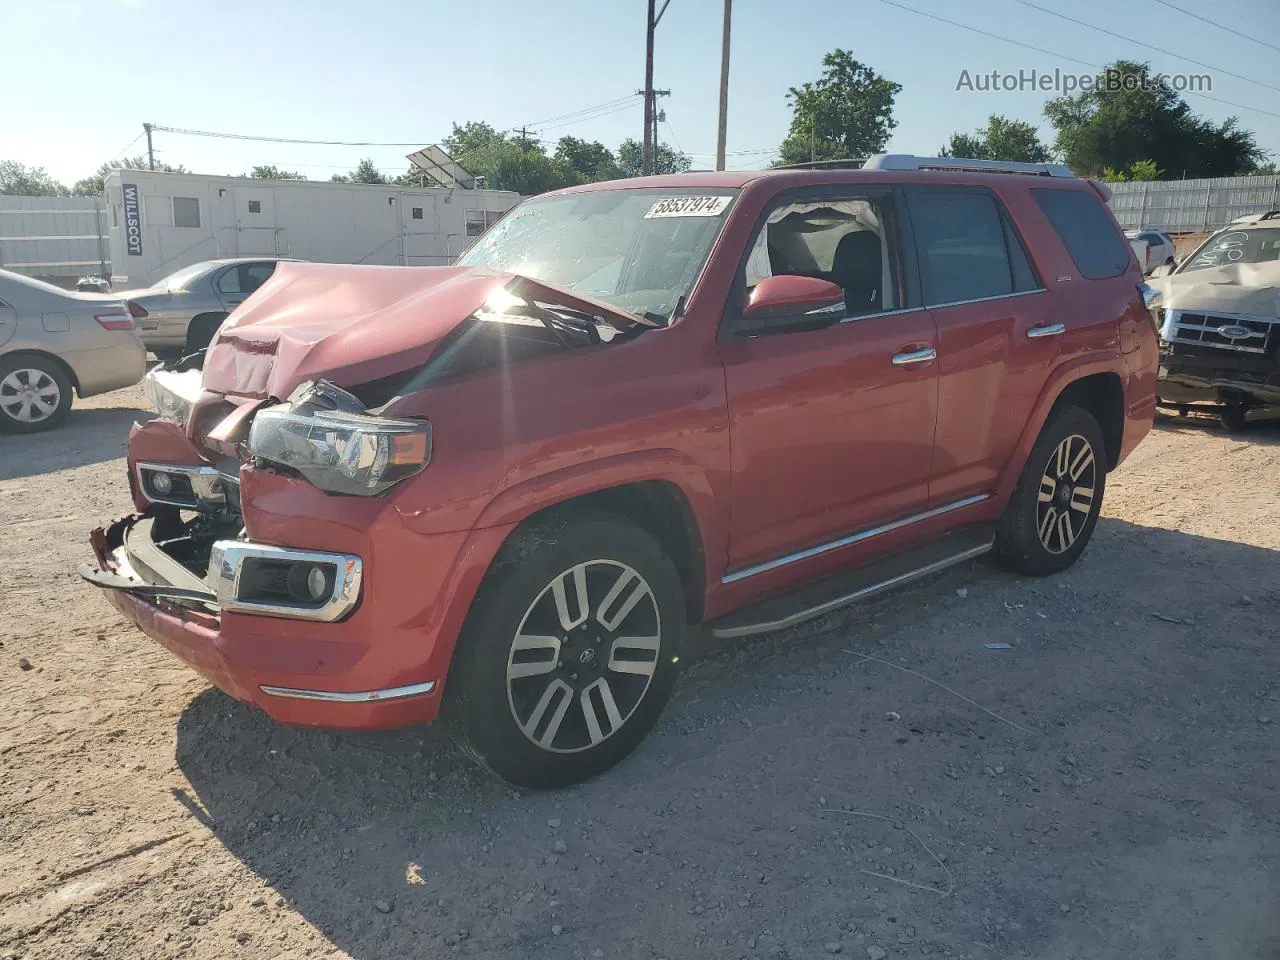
(848, 163)
(907, 161)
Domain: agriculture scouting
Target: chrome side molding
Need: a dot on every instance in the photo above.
(851, 539)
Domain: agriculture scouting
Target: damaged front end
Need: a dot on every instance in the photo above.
(187, 546)
(1220, 339)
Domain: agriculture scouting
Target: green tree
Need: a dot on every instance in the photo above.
(366, 171)
(665, 159)
(1117, 124)
(272, 172)
(94, 185)
(1140, 170)
(847, 112)
(470, 139)
(592, 160)
(24, 181)
(1264, 170)
(1000, 139)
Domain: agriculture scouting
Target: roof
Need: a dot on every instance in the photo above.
(786, 178)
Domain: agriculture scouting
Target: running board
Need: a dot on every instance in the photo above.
(814, 600)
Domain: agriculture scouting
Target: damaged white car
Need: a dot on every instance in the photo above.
(1219, 319)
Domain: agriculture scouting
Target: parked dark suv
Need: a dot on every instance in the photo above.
(505, 489)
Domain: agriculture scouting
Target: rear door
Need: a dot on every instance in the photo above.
(999, 333)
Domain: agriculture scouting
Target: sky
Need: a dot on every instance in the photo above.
(81, 76)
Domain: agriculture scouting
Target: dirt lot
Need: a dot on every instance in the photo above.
(806, 795)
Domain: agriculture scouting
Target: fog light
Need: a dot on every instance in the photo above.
(161, 483)
(317, 583)
(309, 582)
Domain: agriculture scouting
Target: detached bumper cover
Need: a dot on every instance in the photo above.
(293, 670)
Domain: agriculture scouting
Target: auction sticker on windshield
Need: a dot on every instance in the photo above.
(688, 207)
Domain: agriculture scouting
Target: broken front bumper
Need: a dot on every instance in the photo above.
(301, 669)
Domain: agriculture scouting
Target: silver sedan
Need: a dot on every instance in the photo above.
(180, 314)
(54, 342)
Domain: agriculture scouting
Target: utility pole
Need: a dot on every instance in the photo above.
(524, 138)
(151, 154)
(723, 129)
(650, 98)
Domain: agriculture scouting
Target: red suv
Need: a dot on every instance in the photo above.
(504, 490)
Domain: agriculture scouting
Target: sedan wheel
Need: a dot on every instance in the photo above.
(33, 396)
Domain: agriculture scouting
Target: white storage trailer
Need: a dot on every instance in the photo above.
(161, 222)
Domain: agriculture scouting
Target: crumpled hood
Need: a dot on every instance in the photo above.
(1251, 289)
(351, 324)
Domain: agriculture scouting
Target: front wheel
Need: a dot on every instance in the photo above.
(1055, 506)
(569, 654)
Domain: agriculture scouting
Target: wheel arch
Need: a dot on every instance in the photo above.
(1094, 382)
(220, 315)
(67, 370)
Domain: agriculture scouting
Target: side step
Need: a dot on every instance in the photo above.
(814, 600)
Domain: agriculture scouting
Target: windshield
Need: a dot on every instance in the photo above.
(1236, 246)
(639, 249)
(179, 279)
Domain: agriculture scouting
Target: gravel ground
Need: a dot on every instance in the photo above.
(1105, 786)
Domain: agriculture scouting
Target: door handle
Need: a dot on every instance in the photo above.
(914, 356)
(1050, 330)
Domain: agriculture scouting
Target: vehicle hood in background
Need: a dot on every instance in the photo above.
(1250, 289)
(351, 324)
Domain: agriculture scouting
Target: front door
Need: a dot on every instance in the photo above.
(831, 429)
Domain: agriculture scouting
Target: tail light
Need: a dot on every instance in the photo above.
(114, 321)
(136, 310)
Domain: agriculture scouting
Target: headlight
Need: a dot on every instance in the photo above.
(173, 395)
(342, 452)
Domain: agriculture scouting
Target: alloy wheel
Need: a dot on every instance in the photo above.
(1066, 494)
(28, 395)
(583, 656)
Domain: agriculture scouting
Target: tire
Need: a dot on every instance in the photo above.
(1033, 537)
(202, 330)
(535, 713)
(1233, 418)
(35, 394)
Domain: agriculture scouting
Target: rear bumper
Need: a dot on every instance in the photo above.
(120, 364)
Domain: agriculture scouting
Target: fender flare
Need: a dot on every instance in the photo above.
(1062, 377)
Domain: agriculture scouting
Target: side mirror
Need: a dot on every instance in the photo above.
(1163, 270)
(803, 299)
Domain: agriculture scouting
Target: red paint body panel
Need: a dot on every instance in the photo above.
(776, 443)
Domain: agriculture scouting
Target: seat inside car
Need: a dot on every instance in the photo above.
(857, 267)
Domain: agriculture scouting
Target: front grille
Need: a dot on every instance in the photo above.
(1246, 334)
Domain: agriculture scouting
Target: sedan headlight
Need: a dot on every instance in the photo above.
(342, 452)
(173, 395)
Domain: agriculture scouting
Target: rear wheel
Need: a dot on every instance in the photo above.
(569, 654)
(35, 394)
(202, 331)
(1054, 508)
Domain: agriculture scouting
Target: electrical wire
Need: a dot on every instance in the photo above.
(1214, 23)
(1061, 56)
(1149, 46)
(121, 152)
(573, 113)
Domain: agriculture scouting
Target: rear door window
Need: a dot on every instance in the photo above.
(966, 247)
(1087, 231)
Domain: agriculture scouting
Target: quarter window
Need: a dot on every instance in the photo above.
(229, 282)
(1087, 231)
(968, 250)
(186, 212)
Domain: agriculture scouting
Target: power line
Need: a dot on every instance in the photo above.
(127, 146)
(627, 100)
(1062, 56)
(245, 136)
(1149, 46)
(1214, 23)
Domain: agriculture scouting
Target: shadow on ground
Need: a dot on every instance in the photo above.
(88, 435)
(1133, 814)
